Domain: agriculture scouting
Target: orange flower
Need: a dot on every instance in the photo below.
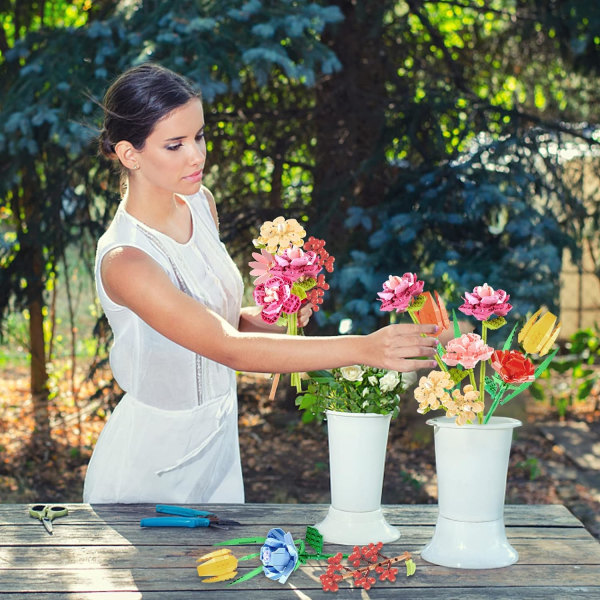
(434, 313)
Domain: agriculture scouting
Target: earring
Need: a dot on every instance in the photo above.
(136, 166)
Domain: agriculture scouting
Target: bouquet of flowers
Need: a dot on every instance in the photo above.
(356, 389)
(288, 275)
(513, 370)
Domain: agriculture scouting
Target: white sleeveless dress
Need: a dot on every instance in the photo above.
(173, 437)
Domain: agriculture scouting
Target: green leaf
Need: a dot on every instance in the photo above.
(410, 567)
(299, 291)
(314, 539)
(583, 391)
(247, 576)
(417, 303)
(496, 323)
(456, 324)
(509, 339)
(458, 375)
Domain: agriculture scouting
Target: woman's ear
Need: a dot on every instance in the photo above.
(127, 154)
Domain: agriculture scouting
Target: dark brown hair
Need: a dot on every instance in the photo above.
(137, 100)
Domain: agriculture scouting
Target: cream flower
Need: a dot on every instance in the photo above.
(432, 391)
(389, 381)
(280, 234)
(352, 373)
(464, 406)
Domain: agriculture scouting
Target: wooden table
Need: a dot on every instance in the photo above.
(101, 552)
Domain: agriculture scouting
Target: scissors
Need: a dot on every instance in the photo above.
(46, 514)
(186, 517)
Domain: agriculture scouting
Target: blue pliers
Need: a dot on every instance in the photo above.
(186, 517)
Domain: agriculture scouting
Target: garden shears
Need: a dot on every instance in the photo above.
(47, 513)
(185, 517)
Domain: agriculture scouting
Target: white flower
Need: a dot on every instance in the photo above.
(365, 404)
(352, 373)
(365, 392)
(372, 380)
(389, 381)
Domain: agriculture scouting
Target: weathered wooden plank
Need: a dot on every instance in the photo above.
(419, 514)
(381, 592)
(127, 534)
(306, 578)
(534, 551)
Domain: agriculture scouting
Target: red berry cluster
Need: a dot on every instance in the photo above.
(315, 295)
(363, 577)
(331, 577)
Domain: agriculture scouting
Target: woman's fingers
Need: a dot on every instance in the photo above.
(403, 345)
(304, 314)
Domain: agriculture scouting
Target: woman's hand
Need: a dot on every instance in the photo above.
(398, 347)
(304, 314)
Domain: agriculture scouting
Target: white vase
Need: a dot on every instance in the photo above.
(357, 449)
(471, 465)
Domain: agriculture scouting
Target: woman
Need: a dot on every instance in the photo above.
(172, 296)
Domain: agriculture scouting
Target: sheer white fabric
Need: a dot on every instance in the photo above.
(173, 437)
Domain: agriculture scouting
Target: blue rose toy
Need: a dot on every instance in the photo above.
(279, 555)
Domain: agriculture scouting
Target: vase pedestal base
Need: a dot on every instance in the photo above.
(356, 528)
(469, 545)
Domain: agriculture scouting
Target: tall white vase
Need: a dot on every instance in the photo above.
(471, 464)
(357, 449)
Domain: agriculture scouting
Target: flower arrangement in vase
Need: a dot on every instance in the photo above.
(472, 446)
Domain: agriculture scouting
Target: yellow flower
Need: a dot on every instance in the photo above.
(279, 234)
(220, 565)
(538, 334)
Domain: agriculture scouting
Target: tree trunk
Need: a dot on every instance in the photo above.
(350, 116)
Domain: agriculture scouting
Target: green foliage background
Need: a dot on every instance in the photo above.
(412, 135)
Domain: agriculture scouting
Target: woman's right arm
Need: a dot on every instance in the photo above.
(132, 279)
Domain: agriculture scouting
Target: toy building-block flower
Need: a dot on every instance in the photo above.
(261, 266)
(539, 333)
(398, 292)
(467, 350)
(220, 565)
(293, 263)
(433, 312)
(484, 302)
(464, 406)
(275, 297)
(512, 366)
(279, 555)
(279, 234)
(433, 391)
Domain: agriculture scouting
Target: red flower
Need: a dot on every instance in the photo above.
(512, 366)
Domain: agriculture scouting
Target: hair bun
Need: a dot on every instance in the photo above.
(107, 148)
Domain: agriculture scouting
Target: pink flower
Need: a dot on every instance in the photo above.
(467, 350)
(275, 297)
(399, 291)
(294, 263)
(262, 266)
(485, 302)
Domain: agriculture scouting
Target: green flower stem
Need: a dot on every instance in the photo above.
(472, 379)
(482, 374)
(497, 400)
(437, 356)
(292, 329)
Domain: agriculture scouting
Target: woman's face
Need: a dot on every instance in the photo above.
(174, 154)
